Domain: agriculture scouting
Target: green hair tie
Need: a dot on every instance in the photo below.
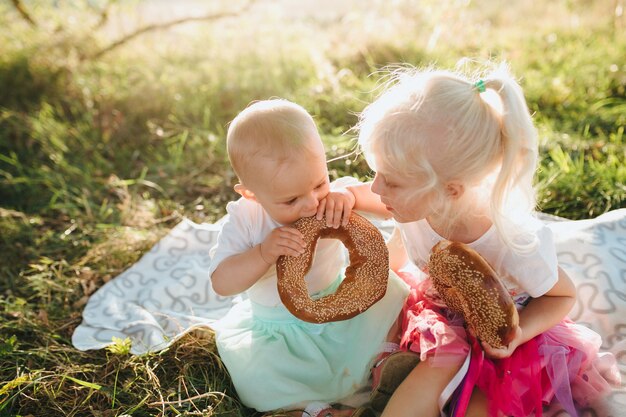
(480, 86)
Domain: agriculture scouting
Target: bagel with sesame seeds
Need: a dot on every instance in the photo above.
(365, 280)
(469, 286)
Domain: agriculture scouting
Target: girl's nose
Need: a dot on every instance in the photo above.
(377, 185)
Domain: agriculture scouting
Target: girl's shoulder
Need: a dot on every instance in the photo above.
(534, 233)
(532, 238)
(535, 268)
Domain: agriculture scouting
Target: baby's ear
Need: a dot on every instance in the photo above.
(244, 192)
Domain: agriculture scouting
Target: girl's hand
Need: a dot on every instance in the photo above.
(337, 206)
(281, 241)
(505, 352)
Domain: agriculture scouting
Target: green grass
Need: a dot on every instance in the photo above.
(101, 158)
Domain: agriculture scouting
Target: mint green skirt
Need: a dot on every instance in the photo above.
(277, 361)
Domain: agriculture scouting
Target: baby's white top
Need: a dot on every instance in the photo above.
(248, 224)
(531, 274)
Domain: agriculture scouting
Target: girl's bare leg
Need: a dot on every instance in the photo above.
(478, 404)
(418, 394)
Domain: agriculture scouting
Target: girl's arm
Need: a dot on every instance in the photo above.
(237, 273)
(544, 312)
(540, 314)
(367, 201)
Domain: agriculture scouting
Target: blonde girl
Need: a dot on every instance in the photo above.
(454, 158)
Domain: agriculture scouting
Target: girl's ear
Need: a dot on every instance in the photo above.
(455, 190)
(244, 192)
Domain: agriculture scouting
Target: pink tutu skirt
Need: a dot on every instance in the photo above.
(562, 363)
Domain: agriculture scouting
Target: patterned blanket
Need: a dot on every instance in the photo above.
(168, 293)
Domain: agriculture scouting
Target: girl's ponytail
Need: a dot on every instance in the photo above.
(513, 196)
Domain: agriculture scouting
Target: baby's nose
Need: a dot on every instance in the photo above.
(312, 202)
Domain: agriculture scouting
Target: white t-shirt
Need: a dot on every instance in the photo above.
(524, 275)
(248, 224)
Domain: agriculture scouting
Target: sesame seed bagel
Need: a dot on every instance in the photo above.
(470, 286)
(365, 279)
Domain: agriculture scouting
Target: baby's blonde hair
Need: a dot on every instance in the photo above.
(275, 130)
(435, 127)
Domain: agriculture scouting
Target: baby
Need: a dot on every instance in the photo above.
(277, 361)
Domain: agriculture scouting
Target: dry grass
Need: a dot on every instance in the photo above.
(101, 158)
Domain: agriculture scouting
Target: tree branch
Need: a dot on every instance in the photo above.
(104, 14)
(167, 25)
(22, 11)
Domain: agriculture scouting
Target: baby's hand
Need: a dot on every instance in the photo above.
(505, 352)
(282, 241)
(337, 206)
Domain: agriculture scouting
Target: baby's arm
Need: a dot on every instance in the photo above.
(540, 314)
(239, 272)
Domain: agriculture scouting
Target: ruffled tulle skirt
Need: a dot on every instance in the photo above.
(563, 363)
(277, 361)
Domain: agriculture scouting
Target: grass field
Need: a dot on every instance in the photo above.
(105, 146)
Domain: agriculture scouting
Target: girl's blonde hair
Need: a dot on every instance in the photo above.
(438, 126)
(275, 129)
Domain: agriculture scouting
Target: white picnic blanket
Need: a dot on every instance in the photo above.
(168, 293)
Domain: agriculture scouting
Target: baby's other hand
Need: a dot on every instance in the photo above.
(337, 206)
(282, 241)
(505, 352)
